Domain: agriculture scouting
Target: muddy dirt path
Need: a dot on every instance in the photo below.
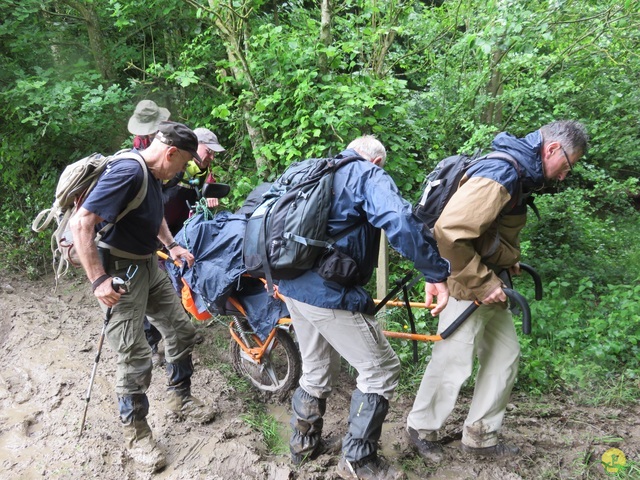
(47, 346)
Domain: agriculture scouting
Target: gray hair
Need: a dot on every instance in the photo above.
(369, 147)
(571, 134)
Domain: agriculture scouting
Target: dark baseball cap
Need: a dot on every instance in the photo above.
(179, 136)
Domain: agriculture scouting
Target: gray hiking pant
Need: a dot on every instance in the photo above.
(151, 293)
(323, 336)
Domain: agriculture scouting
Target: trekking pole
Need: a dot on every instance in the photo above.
(116, 284)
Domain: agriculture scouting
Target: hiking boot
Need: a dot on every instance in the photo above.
(330, 446)
(142, 448)
(495, 451)
(157, 358)
(429, 451)
(184, 406)
(373, 468)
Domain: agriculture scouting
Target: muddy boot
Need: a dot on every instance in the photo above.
(139, 441)
(429, 451)
(142, 448)
(182, 405)
(372, 468)
(306, 424)
(500, 450)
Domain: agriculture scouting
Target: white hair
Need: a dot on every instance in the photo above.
(369, 147)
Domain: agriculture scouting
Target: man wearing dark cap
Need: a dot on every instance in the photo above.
(127, 250)
(183, 190)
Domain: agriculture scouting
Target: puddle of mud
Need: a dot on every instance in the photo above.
(282, 415)
(391, 448)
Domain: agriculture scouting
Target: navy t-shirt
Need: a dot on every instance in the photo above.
(137, 231)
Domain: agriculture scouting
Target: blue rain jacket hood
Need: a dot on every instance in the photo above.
(527, 153)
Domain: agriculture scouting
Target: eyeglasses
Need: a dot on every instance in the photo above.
(181, 155)
(566, 157)
(211, 152)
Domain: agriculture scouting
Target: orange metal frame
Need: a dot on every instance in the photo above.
(417, 337)
(256, 353)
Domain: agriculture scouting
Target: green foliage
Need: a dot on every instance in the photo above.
(427, 79)
(47, 113)
(593, 227)
(584, 339)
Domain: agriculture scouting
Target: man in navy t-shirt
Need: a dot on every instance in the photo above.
(130, 245)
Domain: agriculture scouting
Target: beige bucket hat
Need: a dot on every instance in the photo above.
(147, 117)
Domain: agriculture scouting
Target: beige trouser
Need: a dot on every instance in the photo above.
(490, 335)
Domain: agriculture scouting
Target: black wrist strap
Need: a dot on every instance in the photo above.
(99, 281)
(172, 245)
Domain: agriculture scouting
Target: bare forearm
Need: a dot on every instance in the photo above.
(82, 227)
(176, 251)
(164, 235)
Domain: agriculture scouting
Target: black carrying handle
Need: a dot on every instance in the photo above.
(512, 295)
(537, 281)
(409, 280)
(524, 307)
(460, 320)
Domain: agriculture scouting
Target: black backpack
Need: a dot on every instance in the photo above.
(444, 180)
(287, 232)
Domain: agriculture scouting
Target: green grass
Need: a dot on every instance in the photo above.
(213, 353)
(267, 426)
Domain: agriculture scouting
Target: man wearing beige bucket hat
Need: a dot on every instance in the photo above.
(145, 121)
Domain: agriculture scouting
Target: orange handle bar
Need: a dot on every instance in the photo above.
(412, 336)
(400, 303)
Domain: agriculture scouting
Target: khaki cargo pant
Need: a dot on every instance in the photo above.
(151, 293)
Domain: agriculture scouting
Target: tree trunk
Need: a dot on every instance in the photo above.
(96, 37)
(381, 52)
(231, 27)
(325, 34)
(492, 113)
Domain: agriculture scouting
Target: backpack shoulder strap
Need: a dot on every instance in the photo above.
(526, 198)
(506, 157)
(342, 161)
(142, 193)
(137, 200)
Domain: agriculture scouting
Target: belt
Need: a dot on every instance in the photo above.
(116, 252)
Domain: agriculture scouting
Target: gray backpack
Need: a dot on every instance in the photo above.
(287, 232)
